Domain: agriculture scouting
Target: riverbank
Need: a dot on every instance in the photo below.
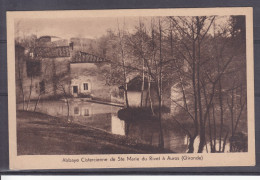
(39, 134)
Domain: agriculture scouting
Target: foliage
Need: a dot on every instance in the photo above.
(141, 113)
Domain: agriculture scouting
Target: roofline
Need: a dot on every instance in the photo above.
(48, 36)
(93, 62)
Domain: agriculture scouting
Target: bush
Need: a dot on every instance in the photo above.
(238, 142)
(140, 113)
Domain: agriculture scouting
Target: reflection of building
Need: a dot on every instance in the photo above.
(148, 133)
(84, 110)
(175, 141)
(93, 114)
(117, 125)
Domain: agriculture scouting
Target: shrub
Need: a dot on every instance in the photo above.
(140, 113)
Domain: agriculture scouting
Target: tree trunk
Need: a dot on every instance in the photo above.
(202, 140)
(161, 139)
(142, 88)
(68, 106)
(231, 106)
(224, 143)
(194, 88)
(124, 68)
(38, 100)
(67, 101)
(126, 96)
(21, 81)
(54, 78)
(215, 128)
(191, 144)
(210, 133)
(221, 115)
(29, 98)
(201, 120)
(149, 94)
(127, 127)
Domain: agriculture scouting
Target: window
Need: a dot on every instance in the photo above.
(85, 86)
(42, 86)
(33, 68)
(36, 88)
(86, 112)
(75, 89)
(76, 110)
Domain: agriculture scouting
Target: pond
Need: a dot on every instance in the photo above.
(104, 117)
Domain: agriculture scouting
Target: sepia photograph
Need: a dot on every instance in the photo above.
(131, 87)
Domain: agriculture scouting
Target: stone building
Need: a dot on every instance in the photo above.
(89, 77)
(54, 68)
(40, 68)
(134, 93)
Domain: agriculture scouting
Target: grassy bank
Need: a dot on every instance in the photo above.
(39, 133)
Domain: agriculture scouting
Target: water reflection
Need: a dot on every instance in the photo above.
(207, 148)
(117, 125)
(104, 117)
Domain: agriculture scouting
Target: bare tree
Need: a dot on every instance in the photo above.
(205, 74)
(121, 43)
(41, 89)
(20, 63)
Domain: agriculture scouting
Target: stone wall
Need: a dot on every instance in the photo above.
(54, 72)
(95, 74)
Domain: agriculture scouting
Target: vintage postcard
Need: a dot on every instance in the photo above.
(131, 88)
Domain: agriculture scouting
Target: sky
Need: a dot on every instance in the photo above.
(73, 27)
(91, 27)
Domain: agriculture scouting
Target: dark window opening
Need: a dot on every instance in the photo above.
(76, 110)
(85, 86)
(42, 86)
(121, 93)
(33, 68)
(75, 89)
(86, 112)
(36, 87)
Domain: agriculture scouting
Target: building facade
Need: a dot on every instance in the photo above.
(53, 69)
(41, 67)
(89, 77)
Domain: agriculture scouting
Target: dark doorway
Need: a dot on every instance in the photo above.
(75, 89)
(42, 87)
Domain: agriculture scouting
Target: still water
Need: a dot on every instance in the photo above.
(104, 117)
